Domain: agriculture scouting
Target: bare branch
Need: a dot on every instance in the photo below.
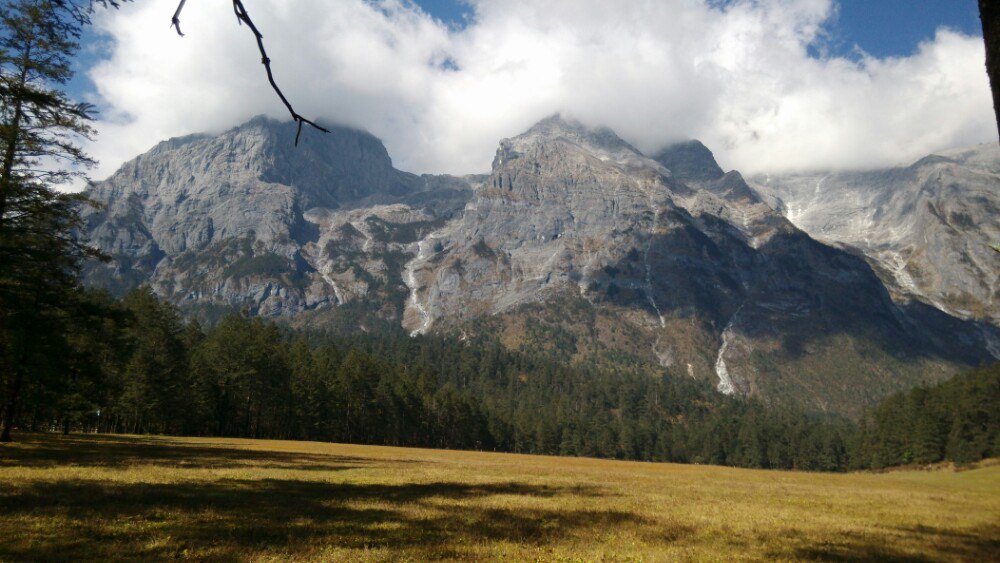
(243, 17)
(176, 20)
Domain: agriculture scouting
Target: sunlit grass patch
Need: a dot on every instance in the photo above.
(99, 497)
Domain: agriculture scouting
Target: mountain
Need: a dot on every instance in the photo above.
(925, 228)
(578, 242)
(246, 220)
(576, 246)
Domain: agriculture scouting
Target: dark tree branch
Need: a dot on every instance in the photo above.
(244, 18)
(175, 21)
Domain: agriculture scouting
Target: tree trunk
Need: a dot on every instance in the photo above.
(9, 407)
(10, 151)
(8, 163)
(989, 13)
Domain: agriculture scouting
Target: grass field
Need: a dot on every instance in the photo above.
(101, 497)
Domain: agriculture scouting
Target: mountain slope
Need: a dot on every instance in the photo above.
(575, 244)
(703, 277)
(246, 220)
(925, 228)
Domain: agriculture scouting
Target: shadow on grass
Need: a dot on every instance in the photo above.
(235, 518)
(935, 544)
(48, 450)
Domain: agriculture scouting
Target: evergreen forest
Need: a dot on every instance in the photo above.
(135, 366)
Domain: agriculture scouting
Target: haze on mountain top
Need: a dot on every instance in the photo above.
(737, 75)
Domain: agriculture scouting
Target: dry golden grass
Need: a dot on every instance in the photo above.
(115, 497)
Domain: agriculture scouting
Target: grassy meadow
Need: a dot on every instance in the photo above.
(129, 497)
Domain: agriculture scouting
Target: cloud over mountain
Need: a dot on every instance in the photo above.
(742, 76)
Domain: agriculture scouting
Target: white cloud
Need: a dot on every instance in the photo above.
(737, 75)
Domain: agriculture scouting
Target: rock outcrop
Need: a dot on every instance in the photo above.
(718, 283)
(246, 220)
(926, 229)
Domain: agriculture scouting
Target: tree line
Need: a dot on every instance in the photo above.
(140, 368)
(958, 420)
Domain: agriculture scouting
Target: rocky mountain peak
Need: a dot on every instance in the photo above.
(238, 218)
(690, 161)
(329, 169)
(556, 126)
(984, 157)
(926, 228)
(556, 134)
(932, 160)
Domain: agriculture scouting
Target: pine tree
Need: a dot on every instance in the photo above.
(39, 131)
(158, 391)
(929, 429)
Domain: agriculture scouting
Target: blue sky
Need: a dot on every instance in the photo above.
(895, 27)
(452, 12)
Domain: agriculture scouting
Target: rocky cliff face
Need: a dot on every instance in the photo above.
(705, 276)
(246, 220)
(576, 245)
(926, 228)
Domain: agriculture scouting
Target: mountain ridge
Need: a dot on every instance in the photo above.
(926, 227)
(689, 270)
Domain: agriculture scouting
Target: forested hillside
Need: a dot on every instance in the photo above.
(958, 420)
(139, 368)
